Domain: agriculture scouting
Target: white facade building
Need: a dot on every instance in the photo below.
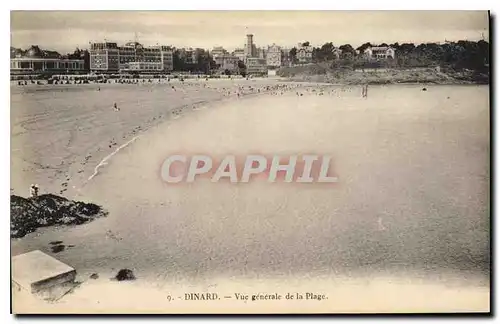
(273, 57)
(240, 54)
(256, 66)
(380, 52)
(109, 57)
(304, 54)
(227, 62)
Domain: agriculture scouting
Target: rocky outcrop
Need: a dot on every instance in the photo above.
(28, 214)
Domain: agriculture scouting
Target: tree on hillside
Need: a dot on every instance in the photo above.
(395, 46)
(325, 53)
(363, 47)
(85, 56)
(75, 55)
(458, 56)
(316, 55)
(305, 44)
(204, 60)
(406, 47)
(179, 62)
(483, 52)
(347, 51)
(293, 55)
(242, 69)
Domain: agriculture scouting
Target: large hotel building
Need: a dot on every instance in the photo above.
(132, 57)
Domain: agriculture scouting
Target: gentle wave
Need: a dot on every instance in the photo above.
(109, 156)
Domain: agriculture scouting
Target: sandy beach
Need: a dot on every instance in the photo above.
(60, 133)
(409, 215)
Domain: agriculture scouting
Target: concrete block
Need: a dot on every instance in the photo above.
(36, 271)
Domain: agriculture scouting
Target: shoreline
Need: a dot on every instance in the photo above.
(182, 110)
(176, 111)
(182, 104)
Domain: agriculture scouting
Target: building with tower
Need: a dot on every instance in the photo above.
(250, 47)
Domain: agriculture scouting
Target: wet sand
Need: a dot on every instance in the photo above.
(416, 162)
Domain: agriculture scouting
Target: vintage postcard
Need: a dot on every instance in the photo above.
(244, 162)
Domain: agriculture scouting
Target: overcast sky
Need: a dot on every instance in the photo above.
(65, 30)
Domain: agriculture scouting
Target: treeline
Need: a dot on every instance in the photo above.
(203, 61)
(454, 55)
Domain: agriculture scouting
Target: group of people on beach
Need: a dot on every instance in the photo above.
(279, 89)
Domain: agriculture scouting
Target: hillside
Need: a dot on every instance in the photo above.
(328, 74)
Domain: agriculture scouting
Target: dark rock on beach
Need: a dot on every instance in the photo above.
(125, 274)
(28, 214)
(57, 248)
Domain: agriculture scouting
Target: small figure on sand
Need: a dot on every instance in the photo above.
(380, 226)
(364, 91)
(34, 190)
(115, 107)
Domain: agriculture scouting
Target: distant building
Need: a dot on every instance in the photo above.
(229, 62)
(167, 58)
(336, 52)
(249, 46)
(218, 55)
(104, 57)
(304, 54)
(285, 57)
(240, 54)
(129, 53)
(380, 52)
(274, 55)
(109, 57)
(260, 53)
(143, 66)
(37, 61)
(218, 51)
(256, 66)
(189, 55)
